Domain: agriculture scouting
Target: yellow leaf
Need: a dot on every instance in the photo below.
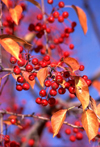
(82, 91)
(90, 123)
(17, 39)
(11, 46)
(73, 63)
(35, 3)
(42, 74)
(16, 13)
(57, 120)
(26, 77)
(82, 18)
(5, 2)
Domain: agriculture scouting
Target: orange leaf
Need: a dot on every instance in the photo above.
(11, 46)
(26, 77)
(42, 74)
(73, 63)
(96, 84)
(90, 123)
(82, 91)
(16, 13)
(5, 2)
(82, 18)
(93, 105)
(98, 110)
(35, 3)
(57, 120)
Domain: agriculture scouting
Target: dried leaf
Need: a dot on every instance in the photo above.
(6, 2)
(29, 37)
(90, 123)
(96, 84)
(98, 110)
(26, 77)
(93, 105)
(82, 18)
(16, 13)
(17, 39)
(82, 91)
(57, 120)
(42, 75)
(35, 3)
(73, 63)
(11, 46)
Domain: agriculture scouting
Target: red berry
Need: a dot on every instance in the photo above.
(59, 79)
(81, 67)
(12, 144)
(88, 82)
(39, 17)
(42, 93)
(60, 19)
(44, 64)
(29, 67)
(20, 79)
(44, 102)
(48, 30)
(68, 131)
(31, 27)
(47, 83)
(37, 28)
(21, 49)
(71, 46)
(61, 90)
(13, 121)
(31, 77)
(42, 51)
(56, 14)
(53, 92)
(13, 60)
(38, 100)
(31, 142)
(85, 77)
(43, 26)
(17, 70)
(36, 67)
(56, 41)
(46, 58)
(54, 85)
(50, 1)
(66, 74)
(72, 138)
(65, 14)
(73, 24)
(66, 54)
(75, 130)
(26, 86)
(52, 46)
(66, 84)
(51, 19)
(35, 61)
(77, 123)
(34, 74)
(61, 4)
(19, 87)
(21, 62)
(60, 40)
(71, 89)
(51, 101)
(79, 136)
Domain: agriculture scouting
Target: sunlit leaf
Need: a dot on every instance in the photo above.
(17, 39)
(98, 110)
(16, 13)
(35, 3)
(82, 18)
(11, 46)
(6, 2)
(57, 120)
(96, 84)
(42, 75)
(82, 91)
(93, 104)
(73, 63)
(90, 123)
(29, 37)
(26, 77)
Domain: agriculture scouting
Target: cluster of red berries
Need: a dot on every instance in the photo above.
(9, 143)
(30, 142)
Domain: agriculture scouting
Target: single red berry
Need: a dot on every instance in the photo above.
(21, 49)
(10, 4)
(46, 58)
(44, 64)
(51, 19)
(56, 41)
(39, 17)
(16, 70)
(59, 79)
(38, 100)
(5, 24)
(44, 26)
(23, 139)
(67, 84)
(37, 28)
(85, 77)
(31, 77)
(61, 4)
(60, 40)
(31, 27)
(68, 131)
(79, 136)
(73, 24)
(71, 89)
(12, 144)
(44, 102)
(48, 30)
(42, 93)
(75, 130)
(52, 46)
(29, 67)
(77, 123)
(56, 14)
(72, 138)
(37, 67)
(66, 35)
(65, 14)
(26, 86)
(47, 83)
(60, 19)
(66, 54)
(42, 51)
(66, 74)
(61, 90)
(51, 101)
(35, 61)
(50, 1)
(13, 121)
(13, 60)
(53, 92)
(20, 79)
(71, 46)
(53, 64)
(89, 82)
(34, 74)
(81, 67)
(54, 85)
(21, 62)
(72, 95)
(31, 142)
(72, 82)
